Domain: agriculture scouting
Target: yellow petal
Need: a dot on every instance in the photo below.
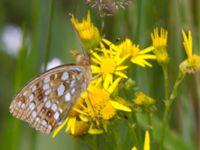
(121, 74)
(95, 60)
(98, 81)
(187, 43)
(68, 127)
(107, 81)
(73, 121)
(59, 128)
(146, 56)
(145, 63)
(122, 59)
(83, 118)
(147, 141)
(95, 131)
(114, 85)
(140, 62)
(134, 148)
(80, 111)
(98, 58)
(146, 50)
(137, 62)
(121, 68)
(119, 106)
(95, 69)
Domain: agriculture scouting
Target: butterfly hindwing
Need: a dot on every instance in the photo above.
(46, 100)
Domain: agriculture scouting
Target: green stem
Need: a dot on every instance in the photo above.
(166, 81)
(168, 104)
(47, 50)
(94, 145)
(150, 128)
(149, 120)
(102, 24)
(137, 130)
(118, 143)
(176, 85)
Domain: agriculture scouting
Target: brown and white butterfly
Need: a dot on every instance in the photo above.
(46, 100)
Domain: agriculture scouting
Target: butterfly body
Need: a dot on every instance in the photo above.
(45, 101)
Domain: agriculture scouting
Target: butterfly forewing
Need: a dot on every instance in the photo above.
(46, 100)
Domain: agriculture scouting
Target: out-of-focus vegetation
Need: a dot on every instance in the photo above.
(21, 62)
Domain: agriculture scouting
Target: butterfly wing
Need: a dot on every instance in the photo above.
(46, 100)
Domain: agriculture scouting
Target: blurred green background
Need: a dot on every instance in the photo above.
(23, 43)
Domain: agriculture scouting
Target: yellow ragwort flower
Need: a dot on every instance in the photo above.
(108, 65)
(99, 103)
(159, 42)
(192, 64)
(146, 142)
(143, 100)
(94, 107)
(159, 39)
(88, 33)
(137, 55)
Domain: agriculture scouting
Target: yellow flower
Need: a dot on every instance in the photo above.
(94, 107)
(146, 142)
(108, 65)
(143, 100)
(159, 40)
(138, 56)
(126, 47)
(88, 33)
(76, 127)
(192, 64)
(100, 106)
(107, 108)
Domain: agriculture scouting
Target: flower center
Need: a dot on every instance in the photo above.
(108, 66)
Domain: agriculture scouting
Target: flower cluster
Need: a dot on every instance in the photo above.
(109, 63)
(97, 106)
(92, 110)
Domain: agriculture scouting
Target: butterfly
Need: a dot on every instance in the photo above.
(45, 101)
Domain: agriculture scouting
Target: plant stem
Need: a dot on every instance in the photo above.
(149, 121)
(137, 130)
(47, 50)
(166, 81)
(168, 104)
